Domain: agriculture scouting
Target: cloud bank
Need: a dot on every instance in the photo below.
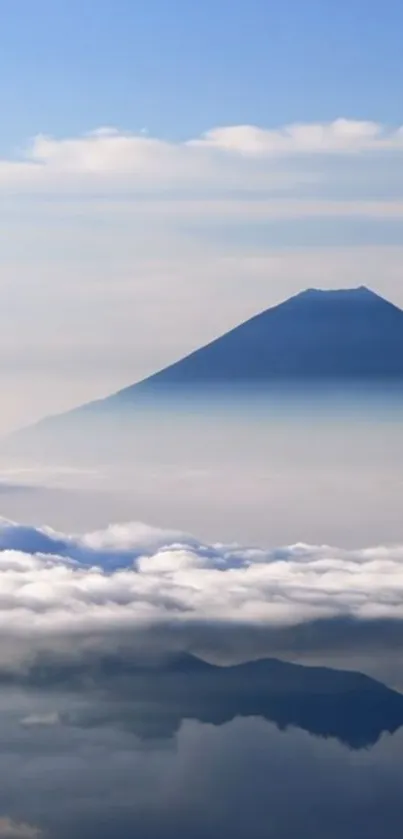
(145, 589)
(220, 160)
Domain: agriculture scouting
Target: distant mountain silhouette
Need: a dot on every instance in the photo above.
(152, 701)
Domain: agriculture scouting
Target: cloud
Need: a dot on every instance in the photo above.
(118, 161)
(221, 160)
(48, 720)
(10, 829)
(342, 135)
(144, 588)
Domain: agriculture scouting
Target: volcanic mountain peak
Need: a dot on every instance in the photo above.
(316, 336)
(358, 296)
(357, 292)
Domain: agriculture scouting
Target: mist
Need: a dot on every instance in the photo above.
(269, 470)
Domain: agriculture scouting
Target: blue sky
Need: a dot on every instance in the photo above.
(252, 149)
(178, 67)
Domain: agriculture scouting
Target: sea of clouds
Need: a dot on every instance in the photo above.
(144, 590)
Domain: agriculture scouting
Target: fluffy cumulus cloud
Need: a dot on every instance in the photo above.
(139, 586)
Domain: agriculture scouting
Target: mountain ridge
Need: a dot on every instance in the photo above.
(347, 705)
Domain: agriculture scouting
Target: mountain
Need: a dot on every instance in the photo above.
(351, 333)
(153, 700)
(314, 338)
(316, 335)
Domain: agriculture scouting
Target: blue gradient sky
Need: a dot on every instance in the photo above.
(178, 67)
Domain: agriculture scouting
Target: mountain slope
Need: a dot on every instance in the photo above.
(331, 335)
(315, 337)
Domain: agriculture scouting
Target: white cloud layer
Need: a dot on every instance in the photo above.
(239, 156)
(131, 583)
(342, 135)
